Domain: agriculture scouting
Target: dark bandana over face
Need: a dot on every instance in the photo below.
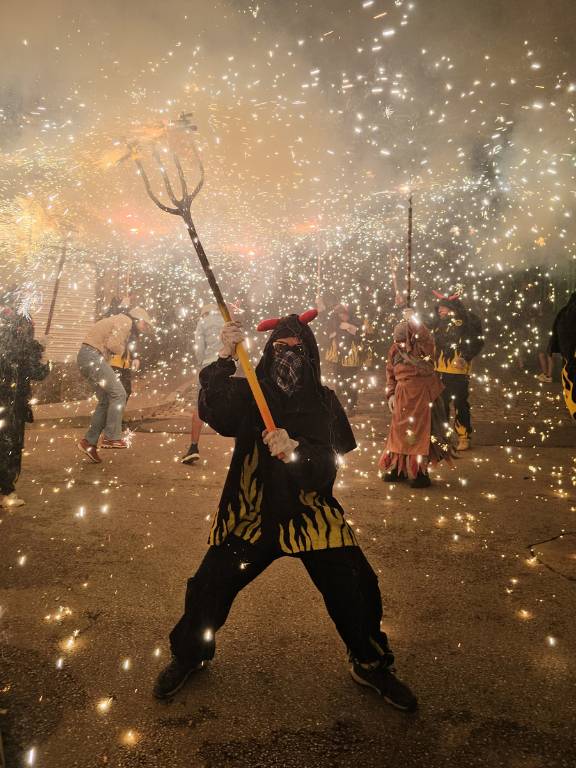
(287, 368)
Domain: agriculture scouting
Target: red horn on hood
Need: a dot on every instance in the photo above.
(307, 317)
(438, 295)
(268, 325)
(454, 296)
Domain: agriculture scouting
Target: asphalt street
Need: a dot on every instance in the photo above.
(92, 577)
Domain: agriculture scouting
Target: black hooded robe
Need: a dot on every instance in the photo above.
(270, 508)
(287, 506)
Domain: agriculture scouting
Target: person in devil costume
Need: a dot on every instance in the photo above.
(418, 435)
(277, 500)
(458, 339)
(563, 342)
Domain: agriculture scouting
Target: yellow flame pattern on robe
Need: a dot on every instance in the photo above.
(569, 391)
(444, 365)
(246, 521)
(324, 527)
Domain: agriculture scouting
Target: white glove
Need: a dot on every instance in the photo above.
(135, 365)
(280, 444)
(459, 363)
(231, 335)
(391, 403)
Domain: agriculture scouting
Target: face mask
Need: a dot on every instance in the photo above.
(287, 368)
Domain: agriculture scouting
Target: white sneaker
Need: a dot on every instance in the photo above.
(12, 500)
(544, 379)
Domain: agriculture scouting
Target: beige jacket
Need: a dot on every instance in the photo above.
(110, 335)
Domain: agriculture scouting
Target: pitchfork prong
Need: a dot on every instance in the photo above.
(198, 186)
(166, 179)
(151, 195)
(183, 204)
(181, 177)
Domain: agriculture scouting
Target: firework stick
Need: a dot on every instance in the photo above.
(394, 281)
(398, 300)
(128, 276)
(409, 249)
(56, 289)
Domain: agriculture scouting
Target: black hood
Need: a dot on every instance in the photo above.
(291, 326)
(455, 305)
(314, 410)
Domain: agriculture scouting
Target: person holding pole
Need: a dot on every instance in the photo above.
(277, 500)
(417, 437)
(106, 338)
(279, 485)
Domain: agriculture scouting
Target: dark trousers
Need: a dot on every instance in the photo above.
(347, 385)
(343, 576)
(457, 392)
(11, 445)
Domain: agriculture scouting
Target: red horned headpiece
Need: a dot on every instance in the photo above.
(273, 322)
(447, 298)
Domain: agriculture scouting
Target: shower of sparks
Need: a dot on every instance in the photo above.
(312, 140)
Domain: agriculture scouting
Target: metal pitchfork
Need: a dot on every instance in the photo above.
(182, 207)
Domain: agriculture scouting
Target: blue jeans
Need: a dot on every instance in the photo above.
(107, 417)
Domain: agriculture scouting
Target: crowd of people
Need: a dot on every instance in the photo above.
(428, 371)
(278, 494)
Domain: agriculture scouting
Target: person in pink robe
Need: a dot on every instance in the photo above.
(419, 433)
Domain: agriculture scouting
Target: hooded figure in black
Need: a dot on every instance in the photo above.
(21, 363)
(286, 506)
(563, 342)
(458, 338)
(278, 500)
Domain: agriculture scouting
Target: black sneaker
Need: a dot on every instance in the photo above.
(382, 680)
(393, 477)
(421, 481)
(173, 677)
(192, 455)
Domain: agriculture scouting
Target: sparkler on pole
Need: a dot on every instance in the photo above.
(409, 254)
(59, 272)
(393, 264)
(182, 207)
(128, 284)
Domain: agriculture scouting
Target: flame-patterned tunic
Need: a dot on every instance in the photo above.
(288, 506)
